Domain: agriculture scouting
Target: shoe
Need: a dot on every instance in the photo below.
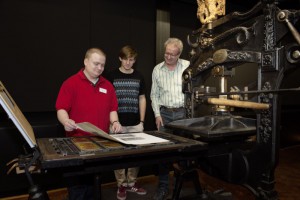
(160, 194)
(137, 189)
(121, 193)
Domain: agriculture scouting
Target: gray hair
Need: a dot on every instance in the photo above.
(175, 41)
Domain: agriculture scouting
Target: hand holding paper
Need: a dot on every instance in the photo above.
(126, 138)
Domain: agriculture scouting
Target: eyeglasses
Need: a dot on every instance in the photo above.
(172, 55)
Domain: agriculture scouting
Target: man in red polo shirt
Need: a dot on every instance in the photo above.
(87, 97)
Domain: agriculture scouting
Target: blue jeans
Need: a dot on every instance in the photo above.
(169, 116)
(163, 169)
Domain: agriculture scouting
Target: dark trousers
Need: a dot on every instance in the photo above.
(81, 187)
(167, 117)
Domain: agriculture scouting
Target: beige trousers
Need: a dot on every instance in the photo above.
(127, 177)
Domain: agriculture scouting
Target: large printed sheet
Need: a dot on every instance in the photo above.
(140, 138)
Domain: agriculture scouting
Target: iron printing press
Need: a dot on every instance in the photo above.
(240, 124)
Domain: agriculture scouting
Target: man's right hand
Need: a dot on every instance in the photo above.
(159, 122)
(70, 125)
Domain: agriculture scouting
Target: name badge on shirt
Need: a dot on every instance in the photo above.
(103, 90)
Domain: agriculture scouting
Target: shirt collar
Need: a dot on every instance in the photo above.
(82, 76)
(179, 62)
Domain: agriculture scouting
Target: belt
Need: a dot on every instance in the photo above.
(172, 109)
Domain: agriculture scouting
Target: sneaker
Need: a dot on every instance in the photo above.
(137, 189)
(161, 194)
(121, 193)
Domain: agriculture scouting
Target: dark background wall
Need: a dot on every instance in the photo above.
(43, 42)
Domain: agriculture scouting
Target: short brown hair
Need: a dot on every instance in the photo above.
(128, 52)
(90, 51)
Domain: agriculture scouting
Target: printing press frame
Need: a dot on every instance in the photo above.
(265, 35)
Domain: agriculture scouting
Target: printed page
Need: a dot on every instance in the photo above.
(125, 138)
(90, 128)
(138, 138)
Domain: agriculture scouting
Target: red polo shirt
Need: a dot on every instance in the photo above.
(86, 102)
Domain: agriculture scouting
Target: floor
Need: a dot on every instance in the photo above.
(287, 183)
